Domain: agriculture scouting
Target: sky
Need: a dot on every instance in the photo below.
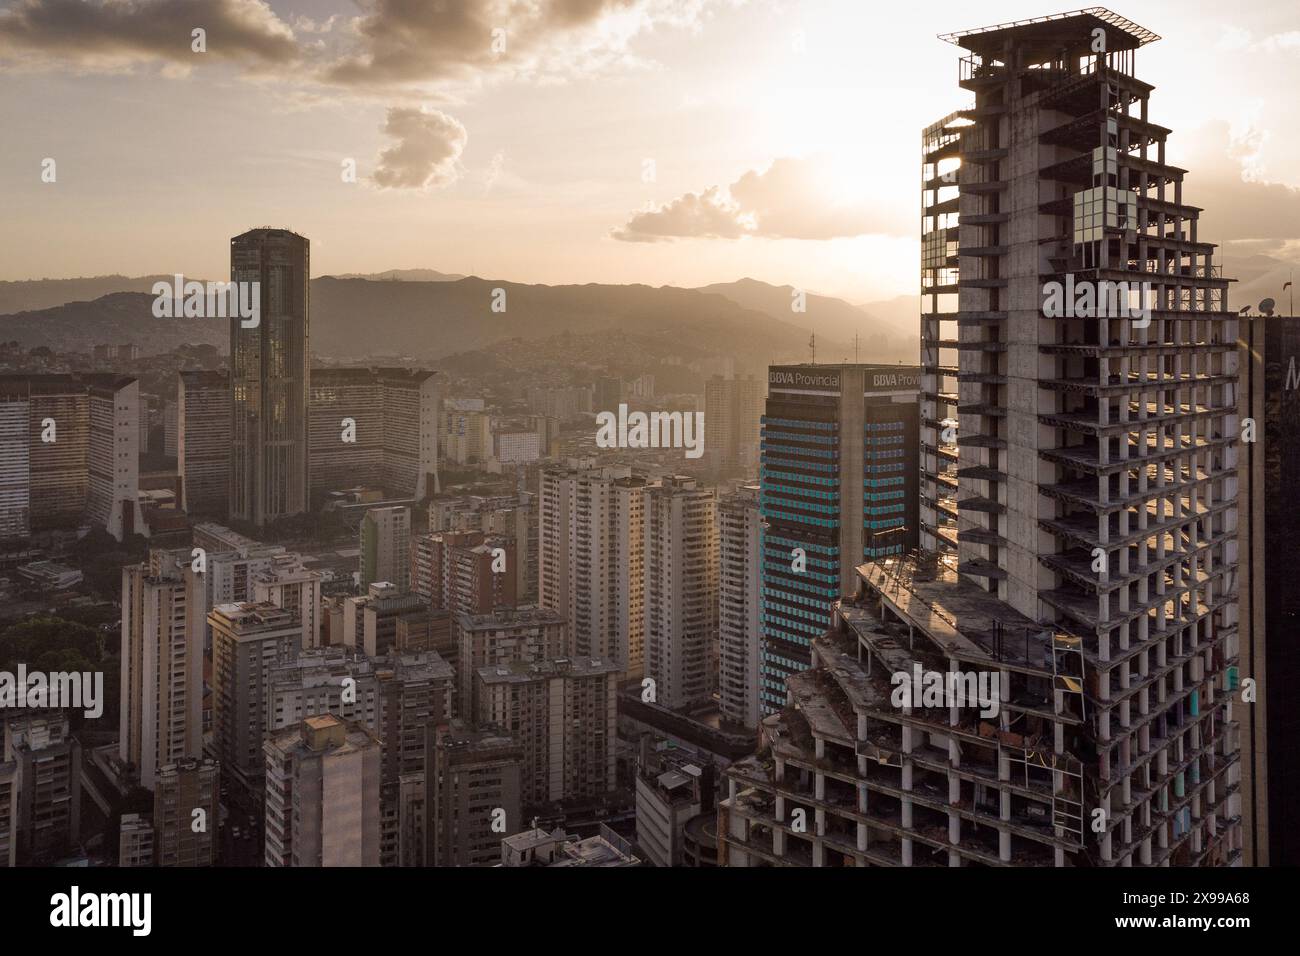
(667, 142)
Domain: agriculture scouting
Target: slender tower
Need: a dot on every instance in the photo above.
(269, 376)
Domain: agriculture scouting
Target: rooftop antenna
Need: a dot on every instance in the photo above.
(1291, 286)
(812, 344)
(856, 360)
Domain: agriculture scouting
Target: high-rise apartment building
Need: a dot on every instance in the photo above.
(733, 412)
(322, 795)
(8, 810)
(473, 787)
(203, 442)
(740, 609)
(1268, 473)
(563, 714)
(386, 547)
(47, 758)
(289, 585)
(591, 542)
(327, 680)
(185, 814)
(248, 641)
(510, 634)
(417, 694)
(681, 592)
(509, 516)
(373, 427)
(69, 453)
(465, 434)
(1082, 609)
(270, 377)
(163, 630)
(828, 431)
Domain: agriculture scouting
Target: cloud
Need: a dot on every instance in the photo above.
(414, 46)
(429, 144)
(121, 34)
(808, 198)
(711, 214)
(1227, 180)
(417, 42)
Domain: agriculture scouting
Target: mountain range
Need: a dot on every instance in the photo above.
(426, 315)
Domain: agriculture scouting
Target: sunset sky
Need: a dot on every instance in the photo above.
(661, 141)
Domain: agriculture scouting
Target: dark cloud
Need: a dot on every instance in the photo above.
(393, 44)
(122, 33)
(405, 42)
(429, 144)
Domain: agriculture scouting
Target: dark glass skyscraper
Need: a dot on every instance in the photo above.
(270, 377)
(1269, 523)
(839, 459)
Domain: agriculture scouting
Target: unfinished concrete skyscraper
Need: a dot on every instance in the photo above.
(1079, 426)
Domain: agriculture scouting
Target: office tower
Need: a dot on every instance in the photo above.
(146, 420)
(48, 779)
(538, 848)
(417, 692)
(733, 411)
(1086, 440)
(681, 592)
(515, 445)
(674, 788)
(828, 429)
(8, 809)
(203, 442)
(69, 452)
(562, 712)
(740, 622)
(322, 795)
(162, 634)
(473, 782)
(326, 680)
(392, 441)
(248, 640)
(289, 585)
(385, 547)
(270, 377)
(606, 394)
(591, 543)
(135, 843)
(1268, 474)
(170, 428)
(490, 640)
(185, 814)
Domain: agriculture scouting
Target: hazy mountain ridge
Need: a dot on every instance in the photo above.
(398, 312)
(353, 319)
